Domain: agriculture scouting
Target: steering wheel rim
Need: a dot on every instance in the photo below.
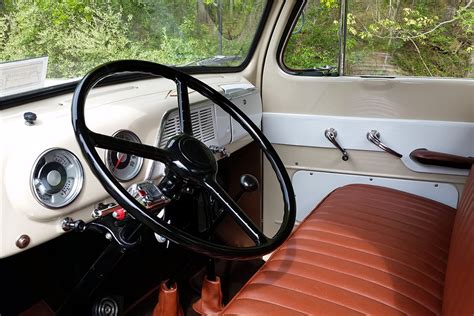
(89, 140)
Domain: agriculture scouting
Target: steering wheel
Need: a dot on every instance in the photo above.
(188, 161)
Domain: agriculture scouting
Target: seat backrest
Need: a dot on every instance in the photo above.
(459, 283)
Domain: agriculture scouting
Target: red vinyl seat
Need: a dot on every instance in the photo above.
(370, 250)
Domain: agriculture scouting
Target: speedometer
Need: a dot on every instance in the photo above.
(56, 178)
(124, 167)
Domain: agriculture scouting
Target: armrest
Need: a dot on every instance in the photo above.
(428, 157)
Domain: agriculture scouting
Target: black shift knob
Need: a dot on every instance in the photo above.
(248, 183)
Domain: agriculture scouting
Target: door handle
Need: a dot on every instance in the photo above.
(331, 135)
(374, 137)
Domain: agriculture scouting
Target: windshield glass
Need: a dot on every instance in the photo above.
(48, 42)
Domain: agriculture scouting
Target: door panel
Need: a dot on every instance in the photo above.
(409, 113)
(404, 135)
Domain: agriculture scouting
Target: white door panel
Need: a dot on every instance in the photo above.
(403, 136)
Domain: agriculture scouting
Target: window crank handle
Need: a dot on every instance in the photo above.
(374, 137)
(331, 135)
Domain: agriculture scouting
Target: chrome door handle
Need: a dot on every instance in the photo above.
(331, 135)
(374, 137)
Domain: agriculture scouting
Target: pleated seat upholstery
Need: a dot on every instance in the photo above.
(363, 250)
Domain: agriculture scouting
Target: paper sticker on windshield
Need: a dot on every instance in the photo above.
(22, 75)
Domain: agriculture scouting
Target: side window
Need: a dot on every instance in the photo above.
(314, 42)
(427, 38)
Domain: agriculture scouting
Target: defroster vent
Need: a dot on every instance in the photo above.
(203, 124)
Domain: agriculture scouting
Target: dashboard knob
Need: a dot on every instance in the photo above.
(30, 118)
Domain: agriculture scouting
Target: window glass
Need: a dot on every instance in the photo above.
(78, 35)
(429, 38)
(432, 38)
(314, 42)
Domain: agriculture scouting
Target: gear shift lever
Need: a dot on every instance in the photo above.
(210, 302)
(248, 183)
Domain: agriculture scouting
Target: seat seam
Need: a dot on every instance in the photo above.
(415, 206)
(320, 234)
(396, 211)
(364, 252)
(334, 286)
(259, 300)
(344, 210)
(309, 295)
(312, 229)
(370, 267)
(351, 237)
(369, 281)
(365, 229)
(395, 194)
(386, 225)
(410, 254)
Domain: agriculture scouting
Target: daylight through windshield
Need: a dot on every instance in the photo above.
(56, 41)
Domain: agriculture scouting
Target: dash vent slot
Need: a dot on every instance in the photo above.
(202, 121)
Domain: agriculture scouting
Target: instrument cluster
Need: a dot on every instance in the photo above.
(124, 167)
(57, 175)
(56, 178)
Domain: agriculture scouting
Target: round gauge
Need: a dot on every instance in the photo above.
(56, 178)
(123, 166)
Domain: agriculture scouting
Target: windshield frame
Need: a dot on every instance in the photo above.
(21, 98)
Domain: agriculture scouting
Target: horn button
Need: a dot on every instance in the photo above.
(193, 155)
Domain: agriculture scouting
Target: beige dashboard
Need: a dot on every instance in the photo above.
(143, 107)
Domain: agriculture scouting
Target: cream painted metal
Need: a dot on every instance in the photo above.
(137, 106)
(402, 136)
(246, 97)
(311, 187)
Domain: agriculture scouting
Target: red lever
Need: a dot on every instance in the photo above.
(119, 214)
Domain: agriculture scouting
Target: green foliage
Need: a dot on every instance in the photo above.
(314, 43)
(421, 44)
(73, 35)
(419, 37)
(78, 35)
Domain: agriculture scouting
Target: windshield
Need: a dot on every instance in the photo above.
(48, 42)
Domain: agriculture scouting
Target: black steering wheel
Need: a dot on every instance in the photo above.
(187, 160)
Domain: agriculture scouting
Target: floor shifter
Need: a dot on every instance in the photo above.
(210, 302)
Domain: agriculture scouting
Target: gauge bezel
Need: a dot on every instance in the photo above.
(79, 180)
(140, 159)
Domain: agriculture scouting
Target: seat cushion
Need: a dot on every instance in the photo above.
(363, 250)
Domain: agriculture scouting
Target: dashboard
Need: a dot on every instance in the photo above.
(44, 177)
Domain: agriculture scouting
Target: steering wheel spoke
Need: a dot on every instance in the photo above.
(185, 122)
(126, 147)
(237, 214)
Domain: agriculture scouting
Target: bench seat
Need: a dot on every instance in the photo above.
(364, 250)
